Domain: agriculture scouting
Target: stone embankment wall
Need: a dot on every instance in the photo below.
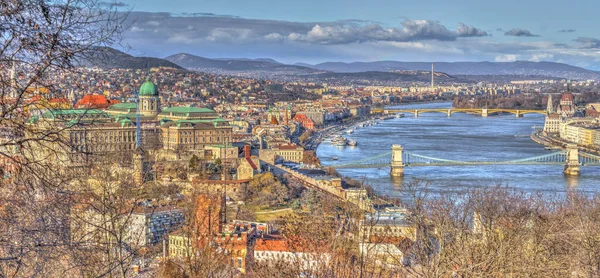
(355, 196)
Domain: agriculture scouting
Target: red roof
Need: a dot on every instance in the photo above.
(567, 97)
(272, 244)
(300, 117)
(95, 101)
(592, 113)
(59, 100)
(251, 163)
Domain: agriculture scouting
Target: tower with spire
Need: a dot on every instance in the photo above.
(549, 106)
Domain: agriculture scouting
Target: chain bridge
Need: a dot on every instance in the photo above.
(398, 159)
(484, 112)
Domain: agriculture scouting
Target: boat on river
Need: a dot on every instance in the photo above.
(352, 143)
(339, 141)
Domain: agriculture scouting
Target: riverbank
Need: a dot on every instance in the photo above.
(538, 137)
(319, 136)
(551, 142)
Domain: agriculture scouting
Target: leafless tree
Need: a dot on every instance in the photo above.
(40, 40)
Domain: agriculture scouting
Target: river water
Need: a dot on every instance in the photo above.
(461, 137)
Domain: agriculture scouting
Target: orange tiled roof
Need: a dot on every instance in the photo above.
(95, 101)
(271, 244)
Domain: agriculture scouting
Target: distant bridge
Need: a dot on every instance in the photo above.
(484, 112)
(397, 159)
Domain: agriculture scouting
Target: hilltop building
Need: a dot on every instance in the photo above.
(181, 130)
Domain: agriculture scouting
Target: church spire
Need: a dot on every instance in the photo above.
(549, 107)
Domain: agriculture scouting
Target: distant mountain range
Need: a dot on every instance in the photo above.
(271, 69)
(109, 58)
(268, 60)
(549, 69)
(237, 65)
(363, 78)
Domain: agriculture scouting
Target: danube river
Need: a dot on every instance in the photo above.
(461, 137)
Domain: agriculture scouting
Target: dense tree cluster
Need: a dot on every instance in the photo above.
(504, 102)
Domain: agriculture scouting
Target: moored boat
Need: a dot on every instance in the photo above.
(340, 141)
(352, 143)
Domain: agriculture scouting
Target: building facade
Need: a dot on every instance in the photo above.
(114, 130)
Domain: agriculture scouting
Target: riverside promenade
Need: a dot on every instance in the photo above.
(556, 143)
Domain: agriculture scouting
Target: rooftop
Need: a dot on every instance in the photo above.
(51, 114)
(187, 109)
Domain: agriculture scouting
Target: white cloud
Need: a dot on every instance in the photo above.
(506, 58)
(274, 37)
(153, 23)
(541, 57)
(411, 30)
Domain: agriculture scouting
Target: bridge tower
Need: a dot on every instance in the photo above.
(519, 115)
(572, 161)
(484, 112)
(397, 164)
(449, 112)
(416, 113)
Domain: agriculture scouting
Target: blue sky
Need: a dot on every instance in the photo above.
(335, 30)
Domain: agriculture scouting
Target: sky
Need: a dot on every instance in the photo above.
(315, 31)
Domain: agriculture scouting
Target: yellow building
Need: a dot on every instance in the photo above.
(290, 152)
(179, 245)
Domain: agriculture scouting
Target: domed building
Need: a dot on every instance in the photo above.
(184, 130)
(149, 98)
(566, 108)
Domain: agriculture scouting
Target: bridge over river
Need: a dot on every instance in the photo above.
(398, 159)
(484, 112)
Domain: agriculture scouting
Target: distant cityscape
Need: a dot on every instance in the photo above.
(113, 165)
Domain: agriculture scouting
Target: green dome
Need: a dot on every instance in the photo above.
(148, 89)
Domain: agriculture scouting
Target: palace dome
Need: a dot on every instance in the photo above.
(567, 97)
(148, 89)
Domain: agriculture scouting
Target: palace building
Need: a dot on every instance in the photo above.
(181, 130)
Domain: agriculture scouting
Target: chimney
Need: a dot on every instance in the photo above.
(247, 152)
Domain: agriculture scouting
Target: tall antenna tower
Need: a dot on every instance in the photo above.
(432, 83)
